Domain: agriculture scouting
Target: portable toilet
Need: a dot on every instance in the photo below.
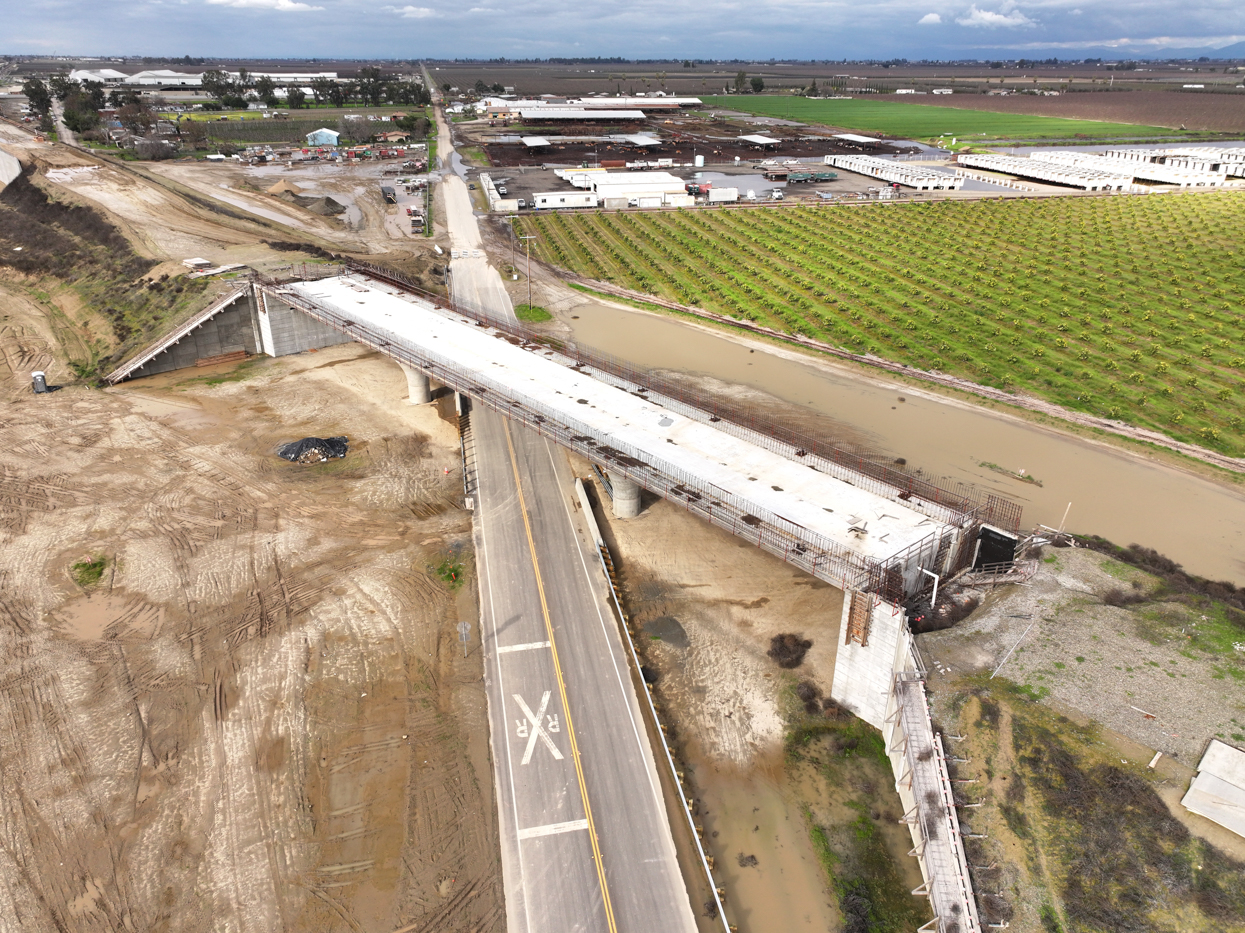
(39, 382)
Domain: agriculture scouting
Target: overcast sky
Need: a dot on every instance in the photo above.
(806, 29)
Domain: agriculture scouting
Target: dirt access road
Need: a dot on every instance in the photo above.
(260, 717)
(172, 211)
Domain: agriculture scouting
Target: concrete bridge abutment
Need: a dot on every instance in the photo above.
(626, 496)
(418, 385)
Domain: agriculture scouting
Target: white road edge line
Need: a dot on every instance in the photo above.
(530, 646)
(505, 737)
(552, 829)
(661, 803)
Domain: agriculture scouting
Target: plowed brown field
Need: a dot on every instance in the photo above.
(1219, 113)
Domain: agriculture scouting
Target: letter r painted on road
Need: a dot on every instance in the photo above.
(537, 730)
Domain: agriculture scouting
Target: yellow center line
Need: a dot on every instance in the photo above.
(566, 708)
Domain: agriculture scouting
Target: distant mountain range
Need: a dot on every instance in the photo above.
(1234, 51)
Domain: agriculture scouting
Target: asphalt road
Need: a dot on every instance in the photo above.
(586, 845)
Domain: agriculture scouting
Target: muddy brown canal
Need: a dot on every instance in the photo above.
(1123, 497)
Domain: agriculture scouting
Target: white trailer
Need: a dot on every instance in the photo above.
(560, 200)
(723, 195)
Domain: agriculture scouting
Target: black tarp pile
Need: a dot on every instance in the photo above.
(313, 449)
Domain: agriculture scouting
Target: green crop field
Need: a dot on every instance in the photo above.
(917, 121)
(1127, 307)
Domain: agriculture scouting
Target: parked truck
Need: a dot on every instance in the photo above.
(723, 195)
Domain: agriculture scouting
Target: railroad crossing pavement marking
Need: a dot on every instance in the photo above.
(538, 731)
(530, 646)
(557, 669)
(552, 829)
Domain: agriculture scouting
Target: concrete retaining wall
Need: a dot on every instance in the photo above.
(284, 331)
(864, 674)
(227, 332)
(883, 683)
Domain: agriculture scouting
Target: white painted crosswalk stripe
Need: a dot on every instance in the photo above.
(552, 829)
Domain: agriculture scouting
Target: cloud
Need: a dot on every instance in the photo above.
(284, 6)
(988, 19)
(929, 19)
(1135, 45)
(412, 12)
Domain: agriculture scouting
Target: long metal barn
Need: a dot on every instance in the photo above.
(880, 533)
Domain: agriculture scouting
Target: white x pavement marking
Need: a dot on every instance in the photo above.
(538, 731)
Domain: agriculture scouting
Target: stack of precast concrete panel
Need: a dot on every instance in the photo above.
(1117, 178)
(1149, 171)
(920, 177)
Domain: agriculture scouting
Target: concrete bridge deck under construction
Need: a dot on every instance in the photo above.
(817, 511)
(827, 508)
(880, 534)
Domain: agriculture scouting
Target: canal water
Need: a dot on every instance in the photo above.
(1123, 497)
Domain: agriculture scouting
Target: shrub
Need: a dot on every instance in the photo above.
(788, 650)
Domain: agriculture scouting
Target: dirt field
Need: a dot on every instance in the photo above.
(259, 716)
(1223, 113)
(709, 78)
(233, 692)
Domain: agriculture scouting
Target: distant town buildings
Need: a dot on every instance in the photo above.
(166, 78)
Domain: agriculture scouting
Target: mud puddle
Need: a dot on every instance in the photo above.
(1194, 521)
(756, 833)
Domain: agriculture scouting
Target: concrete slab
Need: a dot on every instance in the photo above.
(859, 521)
(1218, 791)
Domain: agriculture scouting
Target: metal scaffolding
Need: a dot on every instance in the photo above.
(933, 818)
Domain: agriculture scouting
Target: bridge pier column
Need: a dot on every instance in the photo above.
(418, 386)
(626, 496)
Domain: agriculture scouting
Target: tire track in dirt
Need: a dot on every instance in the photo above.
(266, 640)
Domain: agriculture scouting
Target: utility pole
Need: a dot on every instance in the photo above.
(528, 247)
(511, 218)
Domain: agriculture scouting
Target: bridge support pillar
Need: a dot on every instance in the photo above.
(626, 496)
(417, 383)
